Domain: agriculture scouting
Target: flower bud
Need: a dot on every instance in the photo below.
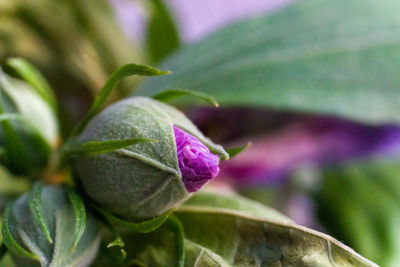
(36, 133)
(44, 228)
(196, 163)
(144, 180)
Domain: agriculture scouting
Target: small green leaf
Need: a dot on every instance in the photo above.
(9, 240)
(168, 95)
(237, 150)
(142, 227)
(80, 216)
(35, 205)
(101, 147)
(33, 76)
(116, 76)
(176, 226)
(117, 242)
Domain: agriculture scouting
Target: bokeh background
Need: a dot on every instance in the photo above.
(314, 85)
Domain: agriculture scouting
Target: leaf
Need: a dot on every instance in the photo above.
(115, 77)
(324, 57)
(142, 227)
(58, 212)
(162, 35)
(33, 76)
(168, 95)
(9, 240)
(101, 147)
(228, 233)
(35, 206)
(359, 203)
(237, 150)
(80, 216)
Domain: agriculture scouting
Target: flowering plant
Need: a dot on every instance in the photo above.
(127, 178)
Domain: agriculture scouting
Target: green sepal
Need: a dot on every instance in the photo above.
(93, 148)
(237, 150)
(168, 95)
(80, 215)
(9, 240)
(115, 77)
(141, 227)
(35, 205)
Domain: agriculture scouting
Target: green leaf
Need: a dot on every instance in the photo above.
(141, 227)
(115, 77)
(80, 216)
(237, 150)
(359, 203)
(170, 94)
(35, 206)
(162, 35)
(233, 231)
(100, 147)
(9, 240)
(325, 57)
(33, 76)
(117, 242)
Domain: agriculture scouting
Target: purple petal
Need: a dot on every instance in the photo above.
(196, 163)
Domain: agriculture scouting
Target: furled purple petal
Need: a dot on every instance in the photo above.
(196, 163)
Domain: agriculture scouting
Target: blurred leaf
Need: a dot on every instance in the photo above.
(233, 231)
(76, 64)
(360, 204)
(326, 57)
(33, 76)
(162, 35)
(170, 94)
